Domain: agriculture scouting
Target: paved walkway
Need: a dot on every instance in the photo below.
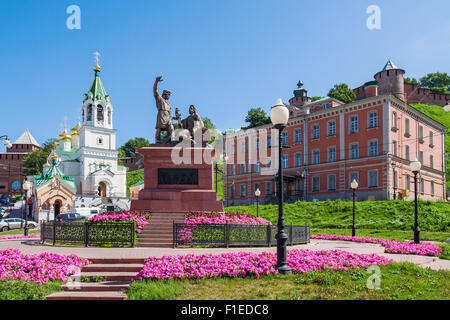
(31, 246)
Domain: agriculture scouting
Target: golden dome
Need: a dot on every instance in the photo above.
(55, 157)
(75, 130)
(66, 136)
(46, 165)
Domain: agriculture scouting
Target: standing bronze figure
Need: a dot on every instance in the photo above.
(164, 118)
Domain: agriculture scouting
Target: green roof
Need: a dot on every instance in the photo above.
(137, 184)
(53, 171)
(97, 89)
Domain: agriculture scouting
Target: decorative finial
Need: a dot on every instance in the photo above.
(97, 66)
(300, 84)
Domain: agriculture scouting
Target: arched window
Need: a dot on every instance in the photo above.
(99, 113)
(109, 115)
(82, 114)
(89, 113)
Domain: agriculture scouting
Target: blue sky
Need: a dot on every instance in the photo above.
(222, 56)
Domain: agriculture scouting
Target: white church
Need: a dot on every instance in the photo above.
(89, 154)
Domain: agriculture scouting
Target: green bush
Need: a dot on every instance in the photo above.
(22, 290)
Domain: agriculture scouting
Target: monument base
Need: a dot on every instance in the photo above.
(170, 187)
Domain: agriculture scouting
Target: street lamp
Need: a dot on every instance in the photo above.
(415, 168)
(395, 180)
(257, 194)
(26, 187)
(279, 115)
(6, 141)
(354, 186)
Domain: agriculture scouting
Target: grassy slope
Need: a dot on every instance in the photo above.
(22, 290)
(398, 281)
(398, 215)
(437, 113)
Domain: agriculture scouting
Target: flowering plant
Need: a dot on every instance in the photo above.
(223, 218)
(243, 264)
(38, 268)
(140, 219)
(422, 249)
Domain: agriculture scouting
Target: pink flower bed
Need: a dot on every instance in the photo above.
(140, 219)
(243, 264)
(223, 218)
(38, 268)
(31, 236)
(423, 249)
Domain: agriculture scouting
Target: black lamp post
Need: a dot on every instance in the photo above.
(26, 187)
(257, 194)
(279, 115)
(354, 186)
(395, 180)
(415, 168)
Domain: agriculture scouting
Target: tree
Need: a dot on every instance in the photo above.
(208, 123)
(315, 98)
(437, 82)
(412, 81)
(342, 92)
(130, 147)
(256, 117)
(34, 162)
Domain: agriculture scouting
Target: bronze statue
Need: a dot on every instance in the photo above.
(164, 118)
(193, 122)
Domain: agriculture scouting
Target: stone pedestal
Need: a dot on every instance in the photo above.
(173, 187)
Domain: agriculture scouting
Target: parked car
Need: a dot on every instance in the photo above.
(15, 223)
(86, 212)
(2, 212)
(67, 217)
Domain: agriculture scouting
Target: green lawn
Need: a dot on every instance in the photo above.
(399, 281)
(22, 290)
(391, 215)
(18, 232)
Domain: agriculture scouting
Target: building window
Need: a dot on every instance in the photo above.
(354, 151)
(394, 120)
(316, 157)
(99, 113)
(242, 191)
(269, 189)
(298, 135)
(109, 116)
(232, 192)
(269, 142)
(407, 152)
(258, 166)
(373, 148)
(373, 119)
(373, 179)
(89, 113)
(331, 128)
(431, 161)
(315, 184)
(422, 186)
(432, 188)
(394, 147)
(285, 162)
(257, 144)
(421, 157)
(233, 149)
(298, 159)
(316, 131)
(285, 138)
(395, 179)
(331, 182)
(408, 182)
(332, 154)
(242, 168)
(243, 149)
(407, 132)
(99, 141)
(269, 163)
(431, 139)
(354, 124)
(420, 134)
(353, 176)
(232, 169)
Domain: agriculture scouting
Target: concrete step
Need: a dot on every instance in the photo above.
(98, 286)
(107, 267)
(112, 276)
(155, 236)
(116, 260)
(87, 295)
(156, 245)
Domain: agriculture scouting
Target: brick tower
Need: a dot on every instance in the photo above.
(300, 96)
(390, 80)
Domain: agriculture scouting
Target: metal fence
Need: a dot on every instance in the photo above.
(228, 235)
(109, 233)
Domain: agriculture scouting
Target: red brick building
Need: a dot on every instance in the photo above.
(372, 140)
(11, 162)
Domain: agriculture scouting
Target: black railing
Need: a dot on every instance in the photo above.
(234, 235)
(114, 234)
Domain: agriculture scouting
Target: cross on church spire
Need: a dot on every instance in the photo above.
(97, 66)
